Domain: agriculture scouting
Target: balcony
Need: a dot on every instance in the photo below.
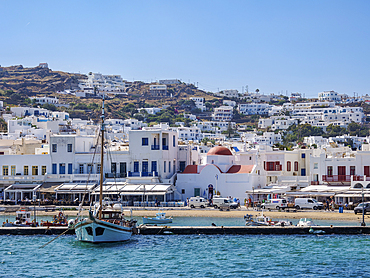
(165, 148)
(142, 174)
(341, 178)
(314, 182)
(155, 147)
(115, 175)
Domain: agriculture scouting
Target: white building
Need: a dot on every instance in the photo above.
(222, 113)
(329, 96)
(44, 100)
(254, 108)
(199, 103)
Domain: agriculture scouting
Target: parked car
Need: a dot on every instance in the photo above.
(275, 204)
(198, 202)
(365, 206)
(224, 203)
(308, 203)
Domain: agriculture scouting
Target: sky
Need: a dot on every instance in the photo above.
(275, 46)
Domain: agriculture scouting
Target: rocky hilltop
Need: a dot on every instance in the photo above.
(31, 81)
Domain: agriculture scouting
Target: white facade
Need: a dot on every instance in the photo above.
(329, 96)
(222, 113)
(43, 100)
(254, 108)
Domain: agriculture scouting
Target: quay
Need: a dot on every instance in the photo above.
(204, 230)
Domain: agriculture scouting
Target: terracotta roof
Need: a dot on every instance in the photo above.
(219, 150)
(240, 169)
(191, 169)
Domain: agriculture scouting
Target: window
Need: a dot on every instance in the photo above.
(98, 168)
(54, 148)
(169, 166)
(145, 166)
(89, 168)
(136, 166)
(196, 192)
(5, 170)
(164, 166)
(43, 170)
(144, 141)
(70, 170)
(289, 166)
(81, 169)
(54, 168)
(113, 168)
(35, 170)
(25, 170)
(69, 148)
(295, 165)
(12, 170)
(352, 170)
(174, 141)
(330, 170)
(154, 166)
(62, 168)
(316, 165)
(182, 166)
(122, 169)
(303, 155)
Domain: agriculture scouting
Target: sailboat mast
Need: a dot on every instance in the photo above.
(101, 161)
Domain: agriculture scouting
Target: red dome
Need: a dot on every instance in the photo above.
(219, 150)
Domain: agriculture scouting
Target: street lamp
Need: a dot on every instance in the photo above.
(363, 208)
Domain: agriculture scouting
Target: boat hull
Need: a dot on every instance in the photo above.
(97, 231)
(156, 221)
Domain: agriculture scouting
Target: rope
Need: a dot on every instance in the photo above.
(54, 239)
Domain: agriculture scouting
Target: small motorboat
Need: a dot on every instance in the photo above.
(22, 219)
(160, 218)
(261, 220)
(305, 222)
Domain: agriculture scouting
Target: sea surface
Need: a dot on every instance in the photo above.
(188, 256)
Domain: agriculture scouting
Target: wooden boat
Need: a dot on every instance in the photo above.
(104, 224)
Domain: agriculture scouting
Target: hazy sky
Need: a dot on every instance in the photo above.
(275, 46)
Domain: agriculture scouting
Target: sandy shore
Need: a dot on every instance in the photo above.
(210, 212)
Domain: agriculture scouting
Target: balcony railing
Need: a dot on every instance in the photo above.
(314, 182)
(165, 148)
(341, 178)
(155, 147)
(115, 175)
(143, 174)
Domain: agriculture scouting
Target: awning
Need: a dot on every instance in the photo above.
(270, 190)
(325, 188)
(75, 188)
(20, 187)
(136, 189)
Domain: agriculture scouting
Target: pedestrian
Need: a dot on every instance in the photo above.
(156, 202)
(238, 201)
(187, 201)
(327, 204)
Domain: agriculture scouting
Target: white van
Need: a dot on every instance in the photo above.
(308, 203)
(275, 204)
(223, 203)
(198, 202)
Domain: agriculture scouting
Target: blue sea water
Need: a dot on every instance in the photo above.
(188, 256)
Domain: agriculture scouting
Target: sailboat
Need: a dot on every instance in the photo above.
(104, 224)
